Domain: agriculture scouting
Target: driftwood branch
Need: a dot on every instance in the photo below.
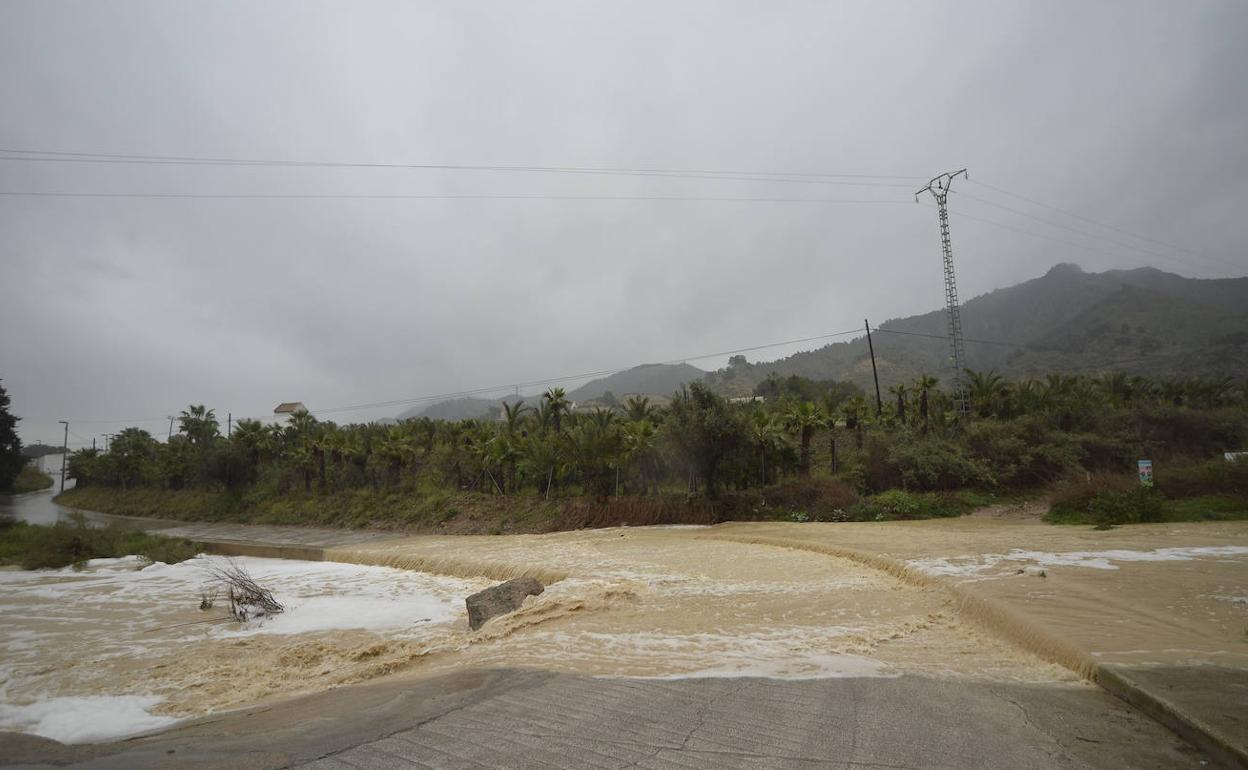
(248, 599)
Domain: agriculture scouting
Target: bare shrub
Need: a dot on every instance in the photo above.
(248, 599)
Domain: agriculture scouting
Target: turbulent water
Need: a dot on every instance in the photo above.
(122, 647)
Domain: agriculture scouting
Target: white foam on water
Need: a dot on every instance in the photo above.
(996, 565)
(127, 609)
(86, 718)
(319, 596)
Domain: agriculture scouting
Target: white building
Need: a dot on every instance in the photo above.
(284, 411)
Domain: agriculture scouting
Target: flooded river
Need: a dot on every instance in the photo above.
(121, 638)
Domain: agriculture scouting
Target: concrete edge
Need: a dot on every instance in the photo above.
(1034, 638)
(263, 551)
(1196, 732)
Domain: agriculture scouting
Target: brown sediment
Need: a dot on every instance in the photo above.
(992, 615)
(835, 599)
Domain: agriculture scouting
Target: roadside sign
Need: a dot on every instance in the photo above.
(1146, 472)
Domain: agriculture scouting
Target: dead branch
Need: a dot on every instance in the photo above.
(248, 599)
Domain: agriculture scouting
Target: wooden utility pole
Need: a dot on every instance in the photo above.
(64, 451)
(879, 403)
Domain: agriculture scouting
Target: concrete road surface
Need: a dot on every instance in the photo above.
(535, 719)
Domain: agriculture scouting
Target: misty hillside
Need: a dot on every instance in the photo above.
(647, 379)
(1142, 321)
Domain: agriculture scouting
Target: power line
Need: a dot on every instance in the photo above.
(1085, 233)
(365, 196)
(508, 386)
(571, 377)
(1082, 218)
(185, 160)
(1028, 346)
(1034, 234)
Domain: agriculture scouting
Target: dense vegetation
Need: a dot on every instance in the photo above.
(11, 460)
(31, 479)
(747, 458)
(73, 543)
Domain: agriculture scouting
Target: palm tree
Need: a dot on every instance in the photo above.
(923, 386)
(593, 445)
(854, 409)
(899, 390)
(638, 408)
(556, 401)
(199, 424)
(766, 436)
(803, 418)
(603, 418)
(986, 391)
(640, 442)
(250, 436)
(1115, 387)
(513, 414)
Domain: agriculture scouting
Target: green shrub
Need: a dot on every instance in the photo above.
(930, 463)
(73, 543)
(1215, 477)
(898, 504)
(1022, 452)
(31, 479)
(1140, 505)
(1204, 432)
(879, 469)
(1107, 500)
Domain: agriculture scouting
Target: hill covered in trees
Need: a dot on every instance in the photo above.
(1144, 321)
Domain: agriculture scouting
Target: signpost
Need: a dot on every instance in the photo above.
(1146, 472)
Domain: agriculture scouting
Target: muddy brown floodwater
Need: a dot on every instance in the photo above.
(769, 600)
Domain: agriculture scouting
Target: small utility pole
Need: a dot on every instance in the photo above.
(93, 444)
(169, 439)
(64, 451)
(939, 188)
(229, 425)
(879, 403)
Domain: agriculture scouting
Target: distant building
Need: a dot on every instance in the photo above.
(284, 411)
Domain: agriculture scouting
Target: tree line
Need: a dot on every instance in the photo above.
(700, 443)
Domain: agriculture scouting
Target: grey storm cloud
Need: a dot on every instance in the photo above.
(1131, 113)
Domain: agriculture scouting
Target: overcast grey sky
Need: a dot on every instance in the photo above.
(1129, 113)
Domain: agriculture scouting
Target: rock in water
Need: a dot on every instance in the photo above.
(499, 600)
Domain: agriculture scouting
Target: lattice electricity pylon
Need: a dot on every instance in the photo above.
(939, 188)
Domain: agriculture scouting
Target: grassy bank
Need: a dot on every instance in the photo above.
(73, 543)
(436, 511)
(31, 480)
(1210, 491)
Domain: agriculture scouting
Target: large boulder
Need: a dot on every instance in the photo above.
(500, 600)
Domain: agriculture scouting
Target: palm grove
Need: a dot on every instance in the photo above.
(1021, 435)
